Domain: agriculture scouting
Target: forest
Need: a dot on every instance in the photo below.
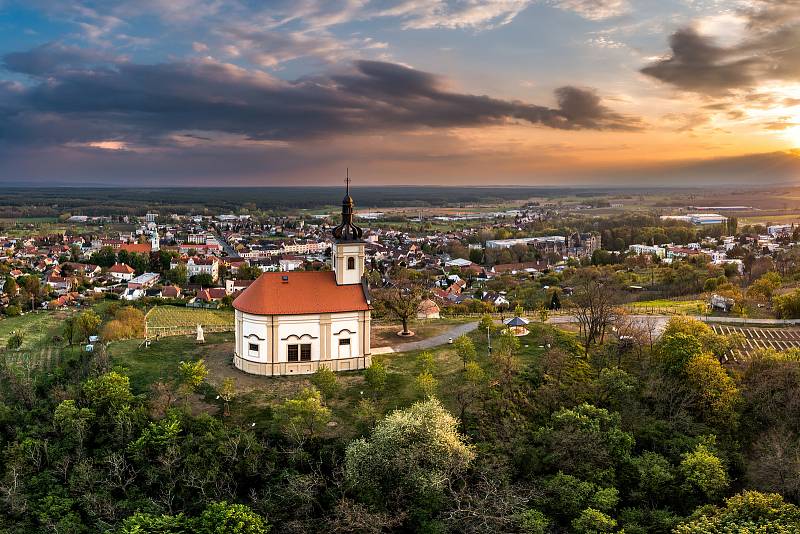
(583, 434)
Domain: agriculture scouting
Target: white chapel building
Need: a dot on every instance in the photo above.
(294, 322)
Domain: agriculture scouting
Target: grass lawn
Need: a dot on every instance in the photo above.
(159, 361)
(38, 328)
(257, 395)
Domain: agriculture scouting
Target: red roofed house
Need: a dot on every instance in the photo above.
(295, 322)
(121, 271)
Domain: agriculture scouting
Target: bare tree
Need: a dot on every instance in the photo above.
(401, 298)
(593, 303)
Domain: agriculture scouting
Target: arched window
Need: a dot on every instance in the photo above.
(351, 263)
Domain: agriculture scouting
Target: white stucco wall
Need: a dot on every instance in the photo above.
(297, 329)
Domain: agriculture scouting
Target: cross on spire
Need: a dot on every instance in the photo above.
(347, 180)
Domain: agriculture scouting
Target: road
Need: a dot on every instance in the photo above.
(225, 246)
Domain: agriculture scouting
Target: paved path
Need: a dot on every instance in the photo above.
(430, 342)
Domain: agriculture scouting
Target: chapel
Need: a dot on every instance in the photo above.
(295, 322)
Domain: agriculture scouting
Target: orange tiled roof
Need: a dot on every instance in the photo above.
(140, 248)
(122, 268)
(304, 292)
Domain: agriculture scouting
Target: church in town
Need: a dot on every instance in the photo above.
(295, 322)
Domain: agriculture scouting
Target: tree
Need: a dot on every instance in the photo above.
(178, 275)
(227, 392)
(203, 279)
(465, 349)
(775, 466)
(411, 455)
(675, 351)
(401, 299)
(192, 375)
(325, 381)
(787, 306)
(586, 442)
(717, 392)
(763, 288)
(555, 302)
(15, 340)
(142, 523)
(703, 474)
(108, 392)
(655, 475)
(375, 376)
(224, 518)
(248, 272)
(10, 286)
(302, 416)
(593, 521)
(426, 384)
(471, 384)
(70, 329)
(593, 303)
(73, 421)
(426, 362)
(105, 257)
(746, 512)
(486, 323)
(87, 324)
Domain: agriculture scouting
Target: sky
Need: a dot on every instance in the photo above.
(416, 92)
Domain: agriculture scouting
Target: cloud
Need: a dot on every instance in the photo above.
(427, 14)
(270, 48)
(767, 52)
(143, 104)
(594, 9)
(51, 57)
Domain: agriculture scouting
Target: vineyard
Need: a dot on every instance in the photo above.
(754, 339)
(175, 321)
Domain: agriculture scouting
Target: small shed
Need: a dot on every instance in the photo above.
(428, 309)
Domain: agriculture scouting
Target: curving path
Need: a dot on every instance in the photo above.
(430, 342)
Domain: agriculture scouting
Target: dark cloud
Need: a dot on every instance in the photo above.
(73, 99)
(767, 51)
(51, 57)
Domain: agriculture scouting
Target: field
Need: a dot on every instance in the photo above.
(38, 349)
(38, 328)
(176, 320)
(661, 306)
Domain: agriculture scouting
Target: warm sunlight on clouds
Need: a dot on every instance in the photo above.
(514, 91)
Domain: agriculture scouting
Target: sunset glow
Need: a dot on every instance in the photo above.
(528, 92)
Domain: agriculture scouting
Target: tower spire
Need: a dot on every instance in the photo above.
(347, 230)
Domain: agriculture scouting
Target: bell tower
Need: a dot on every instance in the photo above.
(348, 249)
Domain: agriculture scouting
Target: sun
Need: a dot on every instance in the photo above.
(792, 134)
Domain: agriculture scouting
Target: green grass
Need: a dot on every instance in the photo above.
(159, 361)
(689, 307)
(38, 328)
(258, 395)
(176, 316)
